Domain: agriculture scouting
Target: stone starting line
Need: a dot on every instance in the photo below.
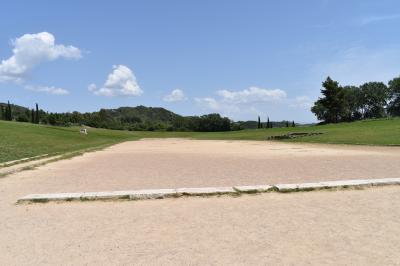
(144, 194)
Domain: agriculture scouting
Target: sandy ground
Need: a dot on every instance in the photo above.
(171, 163)
(358, 227)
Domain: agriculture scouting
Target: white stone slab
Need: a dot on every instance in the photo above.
(254, 189)
(105, 195)
(51, 197)
(286, 187)
(152, 194)
(205, 190)
(167, 193)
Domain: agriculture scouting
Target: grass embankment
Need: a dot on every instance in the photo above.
(20, 140)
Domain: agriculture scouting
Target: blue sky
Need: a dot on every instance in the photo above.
(237, 58)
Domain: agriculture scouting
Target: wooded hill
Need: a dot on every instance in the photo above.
(132, 118)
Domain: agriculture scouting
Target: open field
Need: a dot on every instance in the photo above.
(21, 140)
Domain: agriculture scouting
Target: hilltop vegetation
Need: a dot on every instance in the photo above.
(21, 140)
(351, 103)
(139, 118)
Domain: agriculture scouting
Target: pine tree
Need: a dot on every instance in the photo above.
(293, 124)
(37, 118)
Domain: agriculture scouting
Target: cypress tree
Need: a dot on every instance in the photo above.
(2, 113)
(259, 122)
(9, 112)
(268, 123)
(37, 118)
(32, 116)
(293, 124)
(287, 123)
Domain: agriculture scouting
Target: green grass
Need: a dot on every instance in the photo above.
(21, 140)
(368, 132)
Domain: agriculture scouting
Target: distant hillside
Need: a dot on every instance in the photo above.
(137, 118)
(143, 114)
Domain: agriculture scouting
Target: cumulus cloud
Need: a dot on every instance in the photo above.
(47, 89)
(120, 82)
(246, 100)
(252, 102)
(251, 95)
(301, 102)
(31, 50)
(176, 95)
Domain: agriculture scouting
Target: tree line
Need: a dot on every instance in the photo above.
(350, 103)
(270, 124)
(152, 119)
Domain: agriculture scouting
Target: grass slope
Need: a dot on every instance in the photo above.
(20, 140)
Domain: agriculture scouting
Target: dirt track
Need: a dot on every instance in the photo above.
(344, 227)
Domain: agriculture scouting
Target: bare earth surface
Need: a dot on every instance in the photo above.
(358, 227)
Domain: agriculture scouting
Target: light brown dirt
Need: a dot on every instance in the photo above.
(171, 163)
(358, 227)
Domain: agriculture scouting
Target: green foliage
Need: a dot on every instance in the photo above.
(394, 92)
(374, 99)
(350, 103)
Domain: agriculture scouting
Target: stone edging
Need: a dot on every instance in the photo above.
(205, 191)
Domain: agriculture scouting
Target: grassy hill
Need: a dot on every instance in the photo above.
(20, 140)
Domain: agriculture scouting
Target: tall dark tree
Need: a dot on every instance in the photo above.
(37, 115)
(375, 96)
(394, 93)
(259, 122)
(9, 115)
(352, 103)
(328, 108)
(293, 124)
(287, 123)
(2, 113)
(268, 123)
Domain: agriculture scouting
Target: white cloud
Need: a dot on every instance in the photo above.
(243, 101)
(31, 50)
(48, 90)
(252, 95)
(254, 101)
(376, 19)
(176, 95)
(120, 82)
(301, 102)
